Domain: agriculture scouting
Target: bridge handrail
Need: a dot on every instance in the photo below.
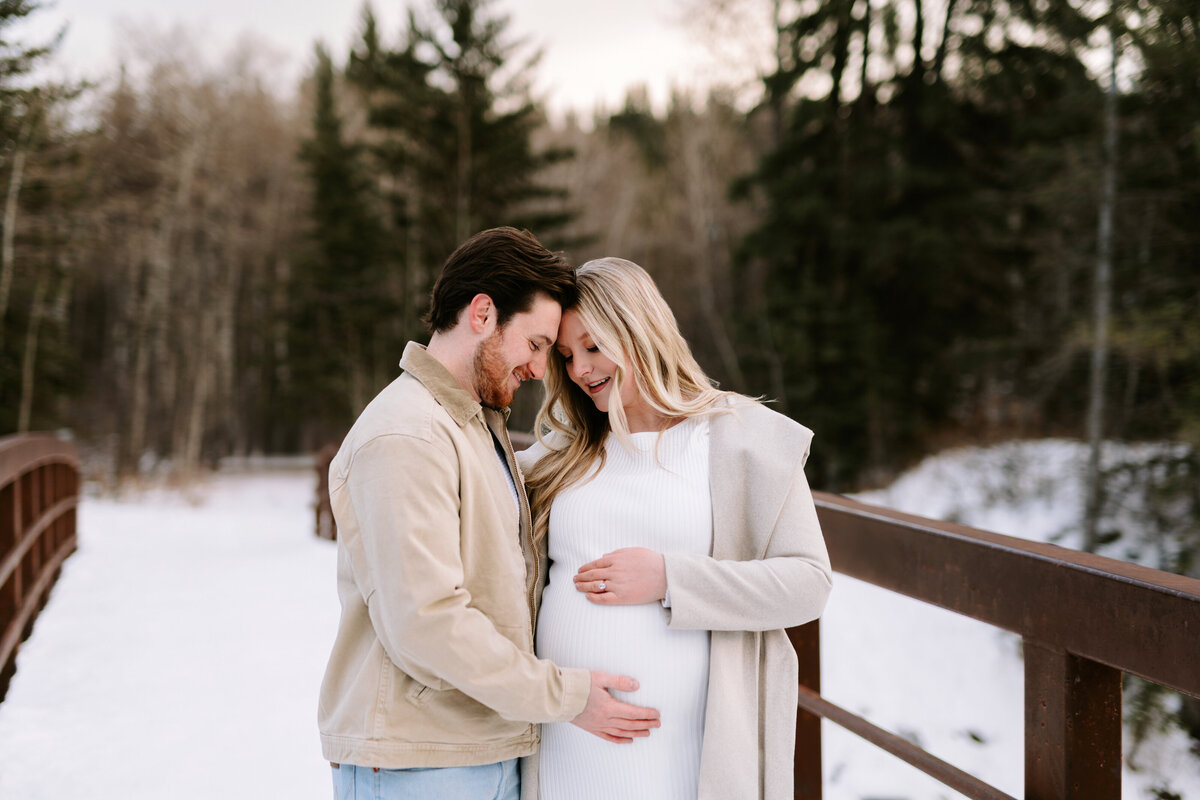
(39, 493)
(1084, 620)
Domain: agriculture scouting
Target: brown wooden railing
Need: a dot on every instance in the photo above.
(39, 491)
(1084, 621)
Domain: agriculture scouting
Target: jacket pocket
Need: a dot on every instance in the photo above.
(417, 693)
(446, 716)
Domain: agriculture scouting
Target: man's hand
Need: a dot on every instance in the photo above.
(609, 718)
(626, 577)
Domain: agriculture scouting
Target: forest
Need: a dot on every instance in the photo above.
(928, 223)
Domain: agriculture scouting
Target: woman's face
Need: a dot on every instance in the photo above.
(591, 370)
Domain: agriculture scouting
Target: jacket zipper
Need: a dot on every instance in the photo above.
(537, 564)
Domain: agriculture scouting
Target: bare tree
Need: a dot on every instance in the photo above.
(29, 358)
(704, 153)
(198, 208)
(1102, 300)
(16, 177)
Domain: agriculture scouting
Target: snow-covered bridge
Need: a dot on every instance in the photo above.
(181, 649)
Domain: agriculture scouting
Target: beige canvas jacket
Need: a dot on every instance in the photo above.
(769, 570)
(433, 660)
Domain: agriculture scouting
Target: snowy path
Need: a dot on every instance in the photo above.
(180, 653)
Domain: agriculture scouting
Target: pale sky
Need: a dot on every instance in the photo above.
(593, 50)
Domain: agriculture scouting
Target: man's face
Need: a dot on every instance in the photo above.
(516, 352)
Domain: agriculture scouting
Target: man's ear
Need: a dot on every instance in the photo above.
(482, 315)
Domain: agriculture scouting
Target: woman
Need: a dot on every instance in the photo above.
(682, 538)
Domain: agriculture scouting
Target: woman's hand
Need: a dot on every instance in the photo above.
(626, 577)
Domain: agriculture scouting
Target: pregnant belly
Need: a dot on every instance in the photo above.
(671, 666)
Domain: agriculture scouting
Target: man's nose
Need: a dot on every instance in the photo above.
(537, 365)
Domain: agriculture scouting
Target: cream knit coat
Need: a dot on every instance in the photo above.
(769, 570)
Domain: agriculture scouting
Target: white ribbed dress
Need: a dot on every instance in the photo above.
(660, 501)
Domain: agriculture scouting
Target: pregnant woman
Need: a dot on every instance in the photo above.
(682, 539)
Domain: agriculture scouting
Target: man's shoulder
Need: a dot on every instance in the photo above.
(404, 414)
(404, 405)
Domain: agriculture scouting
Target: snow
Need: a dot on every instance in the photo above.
(182, 648)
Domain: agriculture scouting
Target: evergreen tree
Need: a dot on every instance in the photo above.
(343, 340)
(39, 202)
(1156, 341)
(453, 120)
(891, 244)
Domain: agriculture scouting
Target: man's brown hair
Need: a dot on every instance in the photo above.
(508, 265)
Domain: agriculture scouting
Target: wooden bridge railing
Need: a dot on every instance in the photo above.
(1084, 621)
(39, 491)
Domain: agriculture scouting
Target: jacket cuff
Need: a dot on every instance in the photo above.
(683, 613)
(577, 685)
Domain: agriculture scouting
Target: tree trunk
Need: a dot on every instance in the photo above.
(16, 177)
(939, 61)
(1102, 298)
(356, 381)
(700, 199)
(139, 384)
(462, 211)
(776, 98)
(153, 313)
(190, 436)
(757, 282)
(618, 224)
(841, 52)
(918, 67)
(29, 360)
(414, 277)
(864, 80)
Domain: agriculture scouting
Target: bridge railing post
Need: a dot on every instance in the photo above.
(806, 639)
(1072, 726)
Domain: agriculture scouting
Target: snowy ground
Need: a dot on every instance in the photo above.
(180, 653)
(181, 650)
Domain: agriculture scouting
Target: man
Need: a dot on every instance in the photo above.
(438, 576)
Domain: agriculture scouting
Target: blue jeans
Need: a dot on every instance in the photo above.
(500, 781)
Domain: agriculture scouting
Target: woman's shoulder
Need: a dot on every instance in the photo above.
(754, 415)
(539, 449)
(751, 423)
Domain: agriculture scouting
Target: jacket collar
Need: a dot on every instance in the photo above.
(444, 387)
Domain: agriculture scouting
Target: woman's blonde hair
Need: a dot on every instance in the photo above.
(630, 322)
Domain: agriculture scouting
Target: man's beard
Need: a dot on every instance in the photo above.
(491, 374)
